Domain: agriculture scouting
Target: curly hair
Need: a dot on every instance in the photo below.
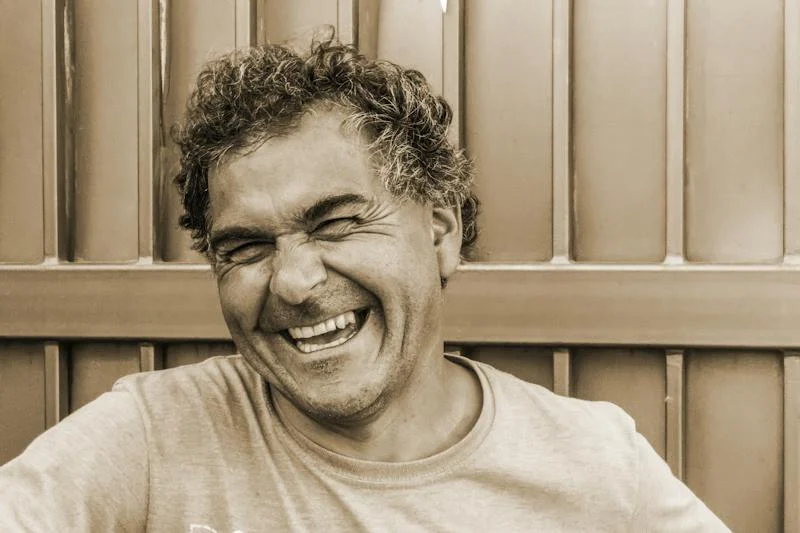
(247, 97)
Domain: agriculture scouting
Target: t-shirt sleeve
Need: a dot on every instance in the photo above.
(664, 503)
(87, 473)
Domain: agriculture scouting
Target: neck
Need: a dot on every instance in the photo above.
(439, 407)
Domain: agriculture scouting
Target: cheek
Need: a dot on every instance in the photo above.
(402, 275)
(242, 292)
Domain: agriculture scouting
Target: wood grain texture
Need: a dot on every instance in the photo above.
(531, 363)
(791, 130)
(198, 32)
(21, 185)
(346, 22)
(106, 126)
(562, 131)
(453, 67)
(22, 396)
(94, 367)
(150, 128)
(676, 407)
(664, 306)
(576, 304)
(57, 128)
(791, 441)
(151, 357)
(562, 372)
(508, 125)
(632, 378)
(676, 129)
(734, 436)
(246, 23)
(189, 353)
(298, 20)
(56, 382)
(368, 27)
(734, 131)
(619, 124)
(423, 52)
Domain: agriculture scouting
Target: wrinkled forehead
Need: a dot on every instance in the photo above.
(318, 126)
(320, 158)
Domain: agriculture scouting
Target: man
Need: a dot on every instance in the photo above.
(333, 210)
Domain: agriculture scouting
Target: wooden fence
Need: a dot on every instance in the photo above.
(638, 162)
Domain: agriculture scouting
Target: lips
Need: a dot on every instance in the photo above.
(328, 333)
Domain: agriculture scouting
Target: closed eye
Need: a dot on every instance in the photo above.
(247, 252)
(336, 226)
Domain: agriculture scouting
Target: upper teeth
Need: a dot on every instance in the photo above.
(337, 322)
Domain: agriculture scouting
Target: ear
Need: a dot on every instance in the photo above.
(446, 232)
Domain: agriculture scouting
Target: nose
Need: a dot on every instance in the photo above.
(296, 270)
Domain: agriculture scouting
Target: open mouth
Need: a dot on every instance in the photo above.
(329, 333)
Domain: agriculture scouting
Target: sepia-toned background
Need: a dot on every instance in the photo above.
(638, 163)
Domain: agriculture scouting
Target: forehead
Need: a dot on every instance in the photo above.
(290, 173)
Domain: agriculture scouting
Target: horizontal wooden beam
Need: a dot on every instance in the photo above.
(660, 305)
(136, 301)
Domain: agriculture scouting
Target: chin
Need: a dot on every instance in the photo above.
(341, 406)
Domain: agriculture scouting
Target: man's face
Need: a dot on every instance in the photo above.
(329, 285)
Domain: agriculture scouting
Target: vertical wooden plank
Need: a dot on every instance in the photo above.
(298, 20)
(791, 441)
(734, 436)
(424, 51)
(367, 27)
(106, 138)
(619, 128)
(531, 363)
(189, 353)
(164, 48)
(21, 207)
(675, 410)
(562, 209)
(261, 21)
(791, 131)
(633, 379)
(151, 357)
(246, 23)
(56, 383)
(96, 366)
(197, 31)
(452, 67)
(57, 128)
(562, 372)
(22, 396)
(508, 123)
(734, 134)
(676, 132)
(346, 22)
(150, 127)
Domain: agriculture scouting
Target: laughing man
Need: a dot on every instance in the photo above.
(332, 208)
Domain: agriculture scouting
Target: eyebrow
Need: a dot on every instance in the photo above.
(327, 205)
(318, 210)
(233, 233)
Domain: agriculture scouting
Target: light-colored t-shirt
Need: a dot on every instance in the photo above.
(201, 449)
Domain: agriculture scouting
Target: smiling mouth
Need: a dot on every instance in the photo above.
(329, 333)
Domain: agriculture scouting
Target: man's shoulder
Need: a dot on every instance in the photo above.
(213, 372)
(555, 405)
(566, 418)
(221, 380)
(573, 446)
